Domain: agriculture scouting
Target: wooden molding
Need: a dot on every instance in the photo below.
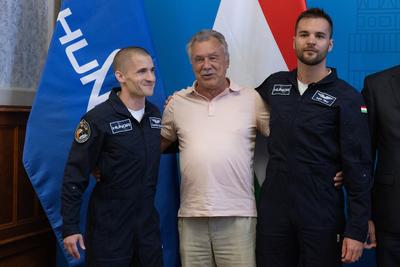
(15, 108)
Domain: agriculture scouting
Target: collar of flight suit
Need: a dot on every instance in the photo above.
(120, 107)
(330, 78)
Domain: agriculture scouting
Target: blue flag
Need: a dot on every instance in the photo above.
(77, 77)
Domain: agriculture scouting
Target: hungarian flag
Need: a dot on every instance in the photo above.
(259, 34)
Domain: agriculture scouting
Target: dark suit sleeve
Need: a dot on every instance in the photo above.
(369, 99)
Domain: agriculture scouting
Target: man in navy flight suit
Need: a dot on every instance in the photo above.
(122, 138)
(318, 126)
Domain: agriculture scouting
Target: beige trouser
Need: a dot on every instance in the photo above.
(217, 241)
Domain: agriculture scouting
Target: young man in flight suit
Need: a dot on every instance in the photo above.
(317, 127)
(122, 138)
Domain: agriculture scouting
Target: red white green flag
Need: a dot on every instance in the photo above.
(260, 38)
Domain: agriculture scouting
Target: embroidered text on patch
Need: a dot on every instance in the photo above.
(281, 89)
(121, 126)
(323, 98)
(155, 122)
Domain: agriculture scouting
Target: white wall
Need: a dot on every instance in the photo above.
(25, 30)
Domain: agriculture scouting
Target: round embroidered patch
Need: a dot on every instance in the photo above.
(82, 132)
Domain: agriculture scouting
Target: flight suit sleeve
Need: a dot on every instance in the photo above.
(262, 115)
(81, 160)
(262, 89)
(356, 165)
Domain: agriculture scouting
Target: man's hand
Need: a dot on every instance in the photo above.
(351, 250)
(96, 173)
(165, 143)
(371, 238)
(167, 100)
(70, 245)
(338, 179)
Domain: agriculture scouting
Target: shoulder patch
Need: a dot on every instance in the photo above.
(155, 122)
(82, 132)
(323, 98)
(281, 89)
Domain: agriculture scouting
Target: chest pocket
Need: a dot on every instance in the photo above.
(282, 108)
(153, 137)
(122, 141)
(319, 116)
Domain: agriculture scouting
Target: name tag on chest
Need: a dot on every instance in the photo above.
(155, 122)
(121, 126)
(281, 89)
(323, 98)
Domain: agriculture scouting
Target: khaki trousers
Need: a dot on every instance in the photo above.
(217, 241)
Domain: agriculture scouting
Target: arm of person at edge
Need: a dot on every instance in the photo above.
(368, 96)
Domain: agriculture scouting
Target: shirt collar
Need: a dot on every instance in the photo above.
(233, 87)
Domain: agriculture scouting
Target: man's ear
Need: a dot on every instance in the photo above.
(330, 45)
(294, 42)
(119, 76)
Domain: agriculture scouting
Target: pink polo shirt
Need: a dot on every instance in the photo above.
(216, 144)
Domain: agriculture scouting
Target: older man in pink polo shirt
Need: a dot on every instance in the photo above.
(215, 122)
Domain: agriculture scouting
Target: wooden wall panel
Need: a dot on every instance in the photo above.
(26, 208)
(26, 238)
(6, 175)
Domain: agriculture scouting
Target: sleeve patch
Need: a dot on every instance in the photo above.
(82, 132)
(364, 109)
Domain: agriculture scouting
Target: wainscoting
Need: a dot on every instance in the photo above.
(26, 239)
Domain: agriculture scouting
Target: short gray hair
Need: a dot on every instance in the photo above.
(124, 54)
(205, 35)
